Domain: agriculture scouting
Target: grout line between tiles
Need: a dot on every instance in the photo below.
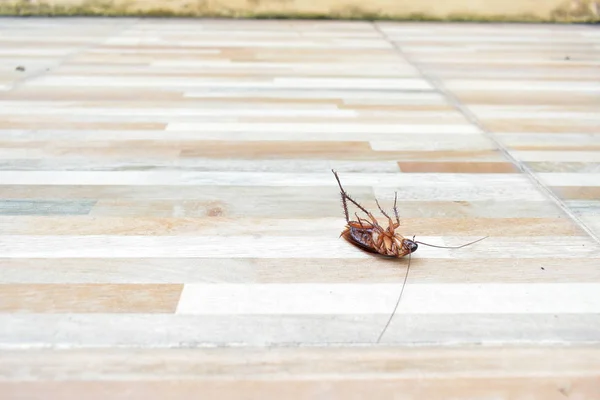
(472, 118)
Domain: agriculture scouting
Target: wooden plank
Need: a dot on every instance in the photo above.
(45, 207)
(17, 331)
(371, 299)
(296, 270)
(458, 167)
(269, 246)
(143, 178)
(481, 366)
(513, 387)
(89, 298)
(222, 225)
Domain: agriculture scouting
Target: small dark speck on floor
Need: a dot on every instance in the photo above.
(564, 391)
(215, 212)
(567, 58)
(20, 68)
(543, 269)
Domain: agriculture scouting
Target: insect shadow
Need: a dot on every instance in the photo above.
(369, 236)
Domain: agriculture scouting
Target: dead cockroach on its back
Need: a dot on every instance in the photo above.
(370, 236)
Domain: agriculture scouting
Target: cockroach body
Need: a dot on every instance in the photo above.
(370, 236)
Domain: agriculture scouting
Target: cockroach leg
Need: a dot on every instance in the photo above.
(391, 226)
(359, 220)
(396, 208)
(345, 196)
(381, 209)
(357, 205)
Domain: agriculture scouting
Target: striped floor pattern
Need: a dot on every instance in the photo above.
(167, 183)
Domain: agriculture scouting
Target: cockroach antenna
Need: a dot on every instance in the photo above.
(452, 247)
(387, 324)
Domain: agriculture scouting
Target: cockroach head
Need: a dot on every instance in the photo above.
(410, 245)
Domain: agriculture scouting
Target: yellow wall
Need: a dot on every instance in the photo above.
(499, 10)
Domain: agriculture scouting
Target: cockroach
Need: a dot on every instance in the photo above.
(370, 236)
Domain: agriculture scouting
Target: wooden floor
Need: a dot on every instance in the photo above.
(169, 221)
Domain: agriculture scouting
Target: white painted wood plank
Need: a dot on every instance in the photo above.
(425, 138)
(74, 163)
(541, 115)
(349, 96)
(283, 44)
(382, 180)
(354, 83)
(262, 34)
(331, 83)
(524, 192)
(559, 140)
(201, 65)
(325, 247)
(329, 127)
(154, 113)
(491, 38)
(56, 51)
(81, 330)
(356, 299)
(500, 60)
(557, 156)
(570, 179)
(529, 85)
(188, 106)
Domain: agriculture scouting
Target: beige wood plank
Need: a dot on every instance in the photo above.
(503, 372)
(89, 298)
(565, 126)
(458, 167)
(297, 270)
(549, 98)
(433, 388)
(216, 222)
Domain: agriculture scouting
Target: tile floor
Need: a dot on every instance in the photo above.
(167, 183)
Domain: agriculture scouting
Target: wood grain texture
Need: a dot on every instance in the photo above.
(504, 372)
(168, 184)
(296, 270)
(457, 167)
(551, 388)
(222, 225)
(89, 298)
